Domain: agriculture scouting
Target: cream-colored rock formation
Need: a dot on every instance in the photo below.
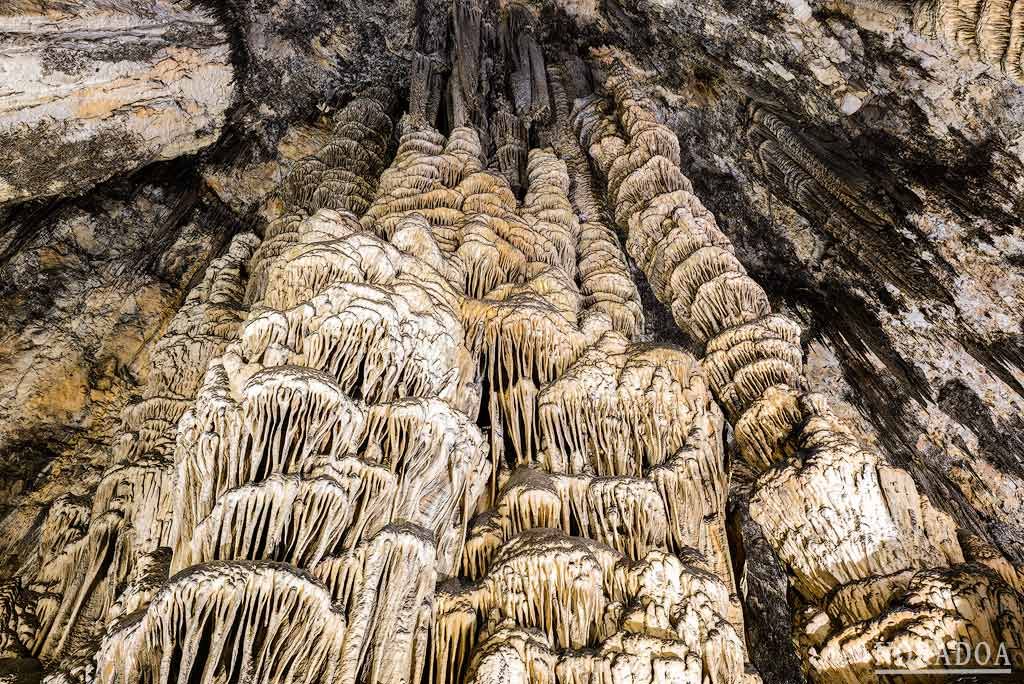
(854, 532)
(990, 32)
(987, 32)
(422, 398)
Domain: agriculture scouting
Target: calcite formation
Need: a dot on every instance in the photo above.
(839, 517)
(988, 32)
(983, 33)
(90, 551)
(416, 427)
(424, 394)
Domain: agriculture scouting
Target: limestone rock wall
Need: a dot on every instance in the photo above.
(94, 89)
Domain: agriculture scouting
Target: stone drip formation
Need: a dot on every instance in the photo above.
(990, 32)
(413, 434)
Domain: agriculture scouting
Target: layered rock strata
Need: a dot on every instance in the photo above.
(93, 89)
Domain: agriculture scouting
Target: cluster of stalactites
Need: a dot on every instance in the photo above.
(838, 514)
(493, 246)
(472, 213)
(753, 362)
(631, 457)
(843, 521)
(340, 176)
(277, 422)
(753, 355)
(967, 604)
(383, 322)
(552, 608)
(527, 324)
(423, 178)
(93, 553)
(332, 436)
(991, 32)
(293, 436)
(620, 409)
(528, 336)
(363, 615)
(200, 330)
(679, 504)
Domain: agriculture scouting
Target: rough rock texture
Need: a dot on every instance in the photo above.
(86, 289)
(93, 89)
(550, 342)
(858, 172)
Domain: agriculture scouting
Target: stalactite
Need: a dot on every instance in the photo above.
(528, 76)
(843, 521)
(605, 282)
(546, 207)
(225, 622)
(559, 609)
(818, 184)
(991, 32)
(510, 139)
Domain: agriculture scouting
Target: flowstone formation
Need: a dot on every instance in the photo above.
(991, 33)
(418, 425)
